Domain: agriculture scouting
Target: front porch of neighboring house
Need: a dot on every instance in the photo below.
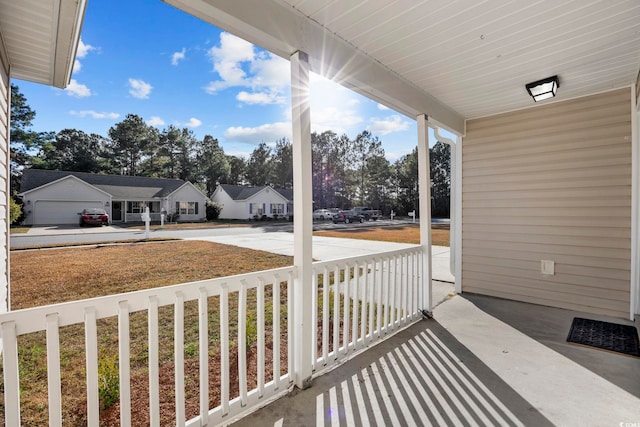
(126, 211)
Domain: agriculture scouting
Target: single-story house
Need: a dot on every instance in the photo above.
(244, 202)
(56, 197)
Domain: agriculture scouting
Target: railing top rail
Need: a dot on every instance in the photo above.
(34, 319)
(384, 254)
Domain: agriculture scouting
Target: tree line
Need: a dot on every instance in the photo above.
(345, 172)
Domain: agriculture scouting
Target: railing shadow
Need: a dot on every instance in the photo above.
(420, 376)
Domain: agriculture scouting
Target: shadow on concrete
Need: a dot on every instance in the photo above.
(420, 376)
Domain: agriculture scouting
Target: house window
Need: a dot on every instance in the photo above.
(277, 208)
(135, 207)
(187, 208)
(255, 209)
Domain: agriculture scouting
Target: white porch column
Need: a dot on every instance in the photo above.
(424, 191)
(457, 216)
(5, 176)
(302, 219)
(455, 211)
(635, 203)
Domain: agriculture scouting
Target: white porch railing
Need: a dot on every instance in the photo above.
(137, 217)
(378, 294)
(357, 301)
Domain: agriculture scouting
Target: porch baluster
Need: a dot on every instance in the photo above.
(91, 356)
(154, 364)
(53, 370)
(203, 336)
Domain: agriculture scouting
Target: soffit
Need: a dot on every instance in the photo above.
(476, 56)
(41, 38)
(441, 57)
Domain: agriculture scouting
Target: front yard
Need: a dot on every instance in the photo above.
(52, 276)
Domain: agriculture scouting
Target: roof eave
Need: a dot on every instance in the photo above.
(70, 18)
(288, 31)
(60, 47)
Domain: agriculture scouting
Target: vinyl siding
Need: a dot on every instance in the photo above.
(551, 183)
(5, 93)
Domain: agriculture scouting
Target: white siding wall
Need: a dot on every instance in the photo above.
(66, 190)
(5, 94)
(187, 193)
(239, 209)
(230, 208)
(551, 183)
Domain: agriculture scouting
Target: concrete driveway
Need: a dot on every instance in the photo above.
(52, 230)
(280, 242)
(326, 248)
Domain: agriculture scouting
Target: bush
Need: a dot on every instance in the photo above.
(213, 210)
(108, 381)
(16, 214)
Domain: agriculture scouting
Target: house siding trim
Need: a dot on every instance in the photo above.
(5, 222)
(634, 306)
(551, 183)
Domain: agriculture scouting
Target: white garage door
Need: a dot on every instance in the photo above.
(56, 212)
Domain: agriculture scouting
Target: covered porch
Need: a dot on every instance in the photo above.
(479, 361)
(460, 67)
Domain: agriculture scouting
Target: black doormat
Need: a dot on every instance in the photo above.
(605, 336)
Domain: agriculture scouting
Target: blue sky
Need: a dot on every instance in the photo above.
(147, 58)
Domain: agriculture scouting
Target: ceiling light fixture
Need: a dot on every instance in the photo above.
(543, 89)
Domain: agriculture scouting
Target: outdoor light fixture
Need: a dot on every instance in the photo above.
(543, 89)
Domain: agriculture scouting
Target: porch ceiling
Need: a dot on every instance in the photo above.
(452, 60)
(41, 38)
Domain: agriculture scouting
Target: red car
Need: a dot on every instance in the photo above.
(94, 216)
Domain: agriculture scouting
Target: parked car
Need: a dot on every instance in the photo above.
(94, 216)
(322, 214)
(347, 217)
(368, 213)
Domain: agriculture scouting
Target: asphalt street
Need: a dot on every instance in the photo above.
(270, 237)
(72, 234)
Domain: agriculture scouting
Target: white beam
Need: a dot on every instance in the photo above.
(302, 219)
(424, 191)
(287, 30)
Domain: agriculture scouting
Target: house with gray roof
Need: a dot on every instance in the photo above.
(56, 197)
(244, 202)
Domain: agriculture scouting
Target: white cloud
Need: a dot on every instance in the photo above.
(336, 118)
(239, 64)
(227, 62)
(77, 89)
(139, 88)
(192, 123)
(270, 71)
(261, 98)
(388, 125)
(83, 49)
(383, 107)
(178, 56)
(255, 135)
(94, 114)
(155, 121)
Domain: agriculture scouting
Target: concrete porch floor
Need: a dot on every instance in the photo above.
(480, 361)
